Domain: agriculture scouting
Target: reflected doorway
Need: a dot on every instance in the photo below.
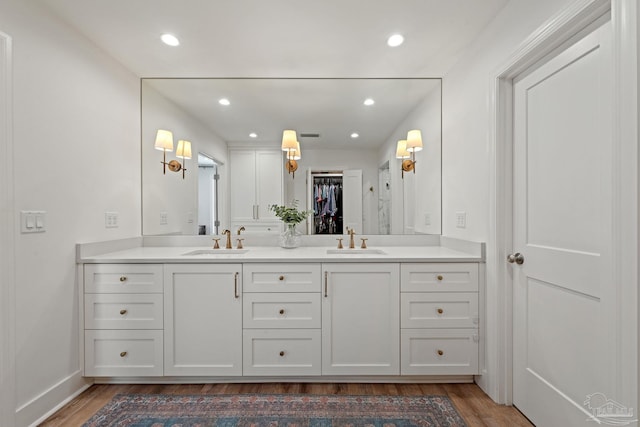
(208, 195)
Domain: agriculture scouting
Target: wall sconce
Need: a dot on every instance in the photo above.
(291, 145)
(402, 153)
(407, 150)
(164, 143)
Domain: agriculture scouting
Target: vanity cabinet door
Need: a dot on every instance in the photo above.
(361, 319)
(203, 319)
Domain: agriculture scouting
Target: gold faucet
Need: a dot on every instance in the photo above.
(351, 233)
(228, 233)
(241, 229)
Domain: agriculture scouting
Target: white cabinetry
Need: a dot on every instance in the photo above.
(203, 319)
(255, 178)
(360, 319)
(439, 319)
(281, 319)
(122, 320)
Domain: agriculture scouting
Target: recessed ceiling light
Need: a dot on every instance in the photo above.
(354, 135)
(224, 101)
(170, 39)
(369, 101)
(395, 40)
(253, 135)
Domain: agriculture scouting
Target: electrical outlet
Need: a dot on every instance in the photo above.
(164, 218)
(111, 219)
(189, 217)
(461, 219)
(427, 219)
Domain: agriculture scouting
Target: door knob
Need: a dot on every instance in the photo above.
(518, 258)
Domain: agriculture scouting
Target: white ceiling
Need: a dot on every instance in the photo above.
(281, 38)
(285, 38)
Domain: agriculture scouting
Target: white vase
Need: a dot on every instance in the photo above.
(290, 237)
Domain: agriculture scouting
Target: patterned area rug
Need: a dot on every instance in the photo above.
(254, 410)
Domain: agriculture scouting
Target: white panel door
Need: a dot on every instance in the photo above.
(361, 319)
(242, 181)
(352, 200)
(563, 322)
(203, 319)
(269, 167)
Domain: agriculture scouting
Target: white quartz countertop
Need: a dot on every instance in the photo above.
(161, 254)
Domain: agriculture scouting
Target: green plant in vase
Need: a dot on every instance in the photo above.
(291, 216)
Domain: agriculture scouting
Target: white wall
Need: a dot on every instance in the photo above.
(169, 192)
(76, 155)
(422, 189)
(467, 147)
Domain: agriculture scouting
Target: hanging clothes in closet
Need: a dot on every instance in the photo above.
(327, 204)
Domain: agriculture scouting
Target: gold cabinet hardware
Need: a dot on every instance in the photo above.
(123, 354)
(281, 311)
(440, 352)
(440, 311)
(281, 278)
(123, 278)
(235, 285)
(440, 277)
(282, 354)
(123, 311)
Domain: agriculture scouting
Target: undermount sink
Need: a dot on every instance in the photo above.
(216, 252)
(355, 251)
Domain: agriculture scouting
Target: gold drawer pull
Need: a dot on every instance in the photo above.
(440, 277)
(282, 354)
(281, 311)
(440, 352)
(123, 312)
(123, 354)
(123, 278)
(440, 311)
(281, 278)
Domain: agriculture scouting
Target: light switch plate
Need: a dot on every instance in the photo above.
(164, 218)
(427, 219)
(33, 221)
(461, 219)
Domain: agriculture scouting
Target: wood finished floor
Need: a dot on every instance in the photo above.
(472, 403)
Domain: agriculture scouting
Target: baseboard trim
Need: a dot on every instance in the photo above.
(48, 402)
(390, 379)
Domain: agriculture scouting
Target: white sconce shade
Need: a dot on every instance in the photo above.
(297, 154)
(184, 149)
(414, 141)
(401, 150)
(164, 140)
(289, 140)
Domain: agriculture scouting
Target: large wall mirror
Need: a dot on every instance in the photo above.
(336, 129)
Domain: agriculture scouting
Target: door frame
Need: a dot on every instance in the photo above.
(7, 248)
(551, 36)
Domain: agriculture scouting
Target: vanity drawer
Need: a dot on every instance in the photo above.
(439, 352)
(123, 353)
(439, 310)
(438, 277)
(281, 352)
(123, 278)
(281, 310)
(281, 277)
(123, 311)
